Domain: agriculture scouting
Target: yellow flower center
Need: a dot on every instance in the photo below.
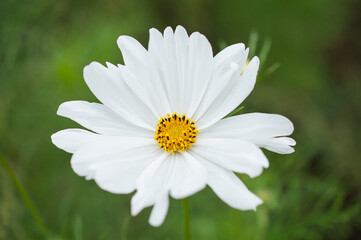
(175, 133)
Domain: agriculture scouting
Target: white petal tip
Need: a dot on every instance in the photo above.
(53, 138)
(121, 38)
(292, 150)
(241, 46)
(135, 206)
(181, 195)
(247, 50)
(257, 204)
(92, 64)
(256, 60)
(89, 69)
(123, 41)
(134, 211)
(56, 139)
(168, 30)
(110, 65)
(155, 224)
(62, 109)
(292, 142)
(154, 30)
(256, 174)
(88, 178)
(180, 28)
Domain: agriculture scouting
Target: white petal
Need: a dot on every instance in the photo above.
(99, 118)
(185, 66)
(159, 67)
(188, 176)
(71, 140)
(181, 51)
(151, 183)
(181, 175)
(233, 154)
(263, 129)
(281, 145)
(232, 95)
(199, 72)
(159, 211)
(230, 188)
(121, 174)
(172, 71)
(114, 162)
(109, 87)
(133, 52)
(235, 53)
(226, 65)
(107, 148)
(140, 75)
(168, 58)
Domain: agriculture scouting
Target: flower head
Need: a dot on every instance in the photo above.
(160, 127)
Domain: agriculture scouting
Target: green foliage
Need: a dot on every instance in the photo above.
(312, 194)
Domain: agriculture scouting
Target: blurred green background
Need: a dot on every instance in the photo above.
(311, 194)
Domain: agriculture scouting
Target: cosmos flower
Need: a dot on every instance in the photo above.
(160, 128)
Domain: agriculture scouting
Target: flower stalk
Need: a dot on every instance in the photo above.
(186, 222)
(26, 198)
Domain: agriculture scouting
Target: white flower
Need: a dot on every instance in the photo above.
(135, 145)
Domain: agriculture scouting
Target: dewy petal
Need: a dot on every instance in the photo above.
(99, 118)
(179, 174)
(233, 154)
(184, 65)
(232, 95)
(70, 140)
(263, 129)
(109, 87)
(230, 188)
(227, 63)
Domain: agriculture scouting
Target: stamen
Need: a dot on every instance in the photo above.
(175, 133)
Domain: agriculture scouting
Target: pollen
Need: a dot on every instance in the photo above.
(176, 133)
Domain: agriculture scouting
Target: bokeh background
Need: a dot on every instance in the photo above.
(312, 75)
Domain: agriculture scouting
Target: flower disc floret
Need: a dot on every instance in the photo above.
(176, 133)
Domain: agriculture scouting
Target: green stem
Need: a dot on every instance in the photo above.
(187, 229)
(25, 196)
